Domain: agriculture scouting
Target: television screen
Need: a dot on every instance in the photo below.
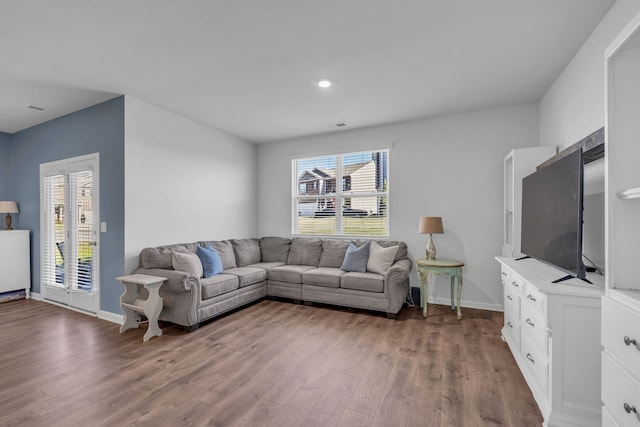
(552, 214)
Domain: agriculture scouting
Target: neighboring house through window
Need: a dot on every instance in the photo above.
(358, 207)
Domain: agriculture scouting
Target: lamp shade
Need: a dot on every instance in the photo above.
(8, 207)
(430, 225)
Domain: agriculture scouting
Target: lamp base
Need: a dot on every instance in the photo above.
(7, 220)
(431, 249)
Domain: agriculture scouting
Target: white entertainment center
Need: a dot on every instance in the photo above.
(621, 305)
(553, 329)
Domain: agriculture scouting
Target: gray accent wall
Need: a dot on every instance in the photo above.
(100, 129)
(5, 166)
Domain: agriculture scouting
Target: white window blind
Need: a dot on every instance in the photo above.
(53, 236)
(341, 195)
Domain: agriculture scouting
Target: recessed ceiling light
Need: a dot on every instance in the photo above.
(324, 83)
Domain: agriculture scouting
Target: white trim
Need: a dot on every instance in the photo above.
(111, 317)
(332, 153)
(103, 315)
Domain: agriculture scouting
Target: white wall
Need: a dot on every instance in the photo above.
(449, 166)
(184, 181)
(573, 107)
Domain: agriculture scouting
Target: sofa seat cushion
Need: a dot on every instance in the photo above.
(248, 275)
(371, 282)
(289, 273)
(325, 276)
(266, 265)
(218, 285)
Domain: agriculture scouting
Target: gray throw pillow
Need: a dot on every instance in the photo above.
(187, 262)
(153, 258)
(355, 259)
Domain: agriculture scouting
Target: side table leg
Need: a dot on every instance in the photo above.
(459, 292)
(423, 293)
(152, 309)
(452, 300)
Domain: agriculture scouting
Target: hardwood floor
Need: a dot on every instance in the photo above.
(270, 364)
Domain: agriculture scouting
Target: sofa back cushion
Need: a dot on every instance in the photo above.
(333, 253)
(247, 251)
(305, 251)
(160, 257)
(275, 249)
(225, 250)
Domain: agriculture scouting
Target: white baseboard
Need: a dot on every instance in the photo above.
(470, 304)
(111, 317)
(104, 315)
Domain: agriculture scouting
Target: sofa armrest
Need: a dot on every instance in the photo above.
(180, 294)
(396, 284)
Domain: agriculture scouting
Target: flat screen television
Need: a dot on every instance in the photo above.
(552, 200)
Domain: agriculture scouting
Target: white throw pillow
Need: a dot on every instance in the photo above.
(187, 262)
(380, 258)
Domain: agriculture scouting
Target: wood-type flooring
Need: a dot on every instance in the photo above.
(272, 363)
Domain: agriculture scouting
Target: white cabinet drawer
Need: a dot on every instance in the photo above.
(534, 327)
(512, 327)
(516, 284)
(620, 328)
(512, 302)
(532, 296)
(620, 393)
(536, 365)
(505, 276)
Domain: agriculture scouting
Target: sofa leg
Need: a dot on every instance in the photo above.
(191, 328)
(307, 303)
(391, 315)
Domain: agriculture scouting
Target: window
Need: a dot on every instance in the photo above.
(358, 207)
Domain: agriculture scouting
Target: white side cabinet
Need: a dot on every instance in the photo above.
(621, 306)
(553, 331)
(518, 164)
(15, 264)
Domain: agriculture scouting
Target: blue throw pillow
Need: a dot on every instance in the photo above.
(356, 258)
(211, 262)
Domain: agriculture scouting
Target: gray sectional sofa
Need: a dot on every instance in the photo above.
(302, 269)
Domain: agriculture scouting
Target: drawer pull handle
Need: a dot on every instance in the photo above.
(504, 273)
(515, 284)
(531, 298)
(629, 409)
(531, 358)
(509, 297)
(509, 324)
(629, 341)
(530, 323)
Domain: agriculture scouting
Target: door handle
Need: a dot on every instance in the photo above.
(529, 322)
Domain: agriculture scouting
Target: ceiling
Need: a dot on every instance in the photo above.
(249, 67)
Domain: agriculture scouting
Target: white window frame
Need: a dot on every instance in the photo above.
(339, 195)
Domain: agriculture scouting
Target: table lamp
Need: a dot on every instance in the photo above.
(430, 225)
(8, 208)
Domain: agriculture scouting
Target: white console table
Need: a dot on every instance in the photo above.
(553, 331)
(133, 302)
